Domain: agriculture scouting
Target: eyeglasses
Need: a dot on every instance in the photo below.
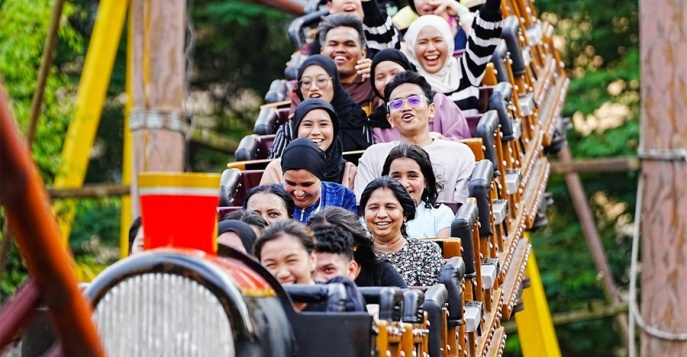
(413, 101)
(321, 83)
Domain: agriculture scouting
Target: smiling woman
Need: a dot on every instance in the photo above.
(410, 165)
(304, 168)
(313, 83)
(430, 45)
(286, 250)
(316, 120)
(386, 206)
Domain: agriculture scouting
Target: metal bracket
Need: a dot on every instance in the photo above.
(490, 272)
(473, 316)
(513, 181)
(534, 34)
(526, 103)
(152, 119)
(500, 208)
(526, 56)
(679, 155)
(517, 129)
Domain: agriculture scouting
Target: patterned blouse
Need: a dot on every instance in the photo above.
(418, 262)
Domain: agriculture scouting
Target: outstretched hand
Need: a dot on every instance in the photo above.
(364, 66)
(450, 7)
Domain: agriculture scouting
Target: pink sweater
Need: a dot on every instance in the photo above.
(448, 120)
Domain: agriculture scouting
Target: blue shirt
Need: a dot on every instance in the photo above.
(332, 194)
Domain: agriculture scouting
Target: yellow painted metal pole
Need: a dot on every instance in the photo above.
(535, 326)
(95, 79)
(125, 218)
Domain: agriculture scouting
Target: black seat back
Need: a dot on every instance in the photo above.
(499, 101)
(498, 60)
(270, 118)
(298, 27)
(480, 188)
(341, 334)
(248, 148)
(487, 131)
(462, 228)
(389, 299)
(228, 184)
(511, 27)
(436, 297)
(333, 294)
(412, 306)
(451, 275)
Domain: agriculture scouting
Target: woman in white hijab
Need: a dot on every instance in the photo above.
(429, 46)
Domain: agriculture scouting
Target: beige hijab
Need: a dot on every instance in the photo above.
(448, 78)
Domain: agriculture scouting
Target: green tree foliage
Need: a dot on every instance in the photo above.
(240, 48)
(22, 35)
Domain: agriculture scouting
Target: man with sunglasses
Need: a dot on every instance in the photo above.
(409, 105)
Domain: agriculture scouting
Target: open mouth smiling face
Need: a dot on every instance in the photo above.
(343, 45)
(303, 187)
(318, 127)
(431, 49)
(383, 214)
(410, 119)
(318, 83)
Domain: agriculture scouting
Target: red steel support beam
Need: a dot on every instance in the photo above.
(27, 208)
(18, 312)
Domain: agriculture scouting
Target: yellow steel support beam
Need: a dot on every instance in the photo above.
(535, 326)
(90, 96)
(125, 218)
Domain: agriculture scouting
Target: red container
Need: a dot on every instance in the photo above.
(179, 210)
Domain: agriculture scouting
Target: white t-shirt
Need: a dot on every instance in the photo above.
(452, 161)
(429, 221)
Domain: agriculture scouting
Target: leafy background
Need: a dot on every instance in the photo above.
(240, 48)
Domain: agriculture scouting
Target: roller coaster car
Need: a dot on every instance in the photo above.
(174, 302)
(184, 302)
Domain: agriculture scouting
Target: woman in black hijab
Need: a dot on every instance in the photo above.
(235, 234)
(316, 119)
(352, 118)
(304, 168)
(319, 78)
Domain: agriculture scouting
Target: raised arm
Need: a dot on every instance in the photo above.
(380, 32)
(482, 41)
(485, 35)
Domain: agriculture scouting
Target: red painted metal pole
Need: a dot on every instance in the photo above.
(27, 208)
(18, 312)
